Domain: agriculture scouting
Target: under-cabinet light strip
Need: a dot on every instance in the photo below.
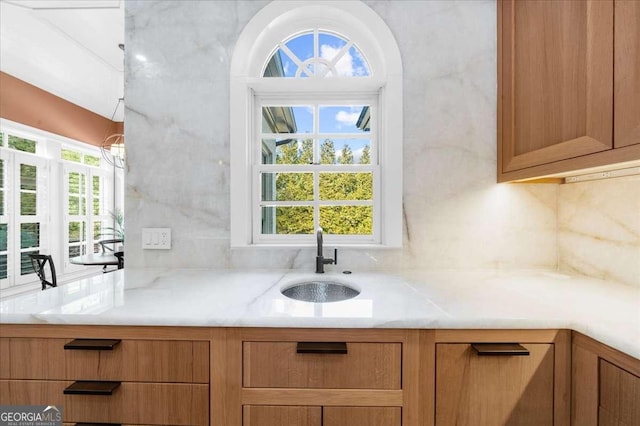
(631, 171)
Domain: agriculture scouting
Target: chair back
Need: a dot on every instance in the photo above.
(39, 263)
(120, 256)
(109, 245)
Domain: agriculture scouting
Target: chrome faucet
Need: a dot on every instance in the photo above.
(320, 260)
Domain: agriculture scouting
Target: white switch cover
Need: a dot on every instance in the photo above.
(156, 238)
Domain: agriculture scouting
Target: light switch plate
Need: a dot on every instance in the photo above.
(156, 238)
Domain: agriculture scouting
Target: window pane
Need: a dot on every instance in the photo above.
(91, 160)
(346, 186)
(22, 144)
(77, 232)
(77, 183)
(287, 220)
(28, 204)
(26, 267)
(28, 177)
(69, 155)
(96, 185)
(333, 59)
(344, 119)
(74, 206)
(29, 235)
(76, 251)
(3, 236)
(345, 151)
(1, 139)
(347, 220)
(287, 151)
(96, 196)
(1, 187)
(287, 119)
(3, 266)
(287, 186)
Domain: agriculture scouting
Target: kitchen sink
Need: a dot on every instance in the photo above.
(320, 291)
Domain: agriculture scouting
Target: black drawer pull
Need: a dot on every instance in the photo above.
(83, 387)
(92, 344)
(339, 348)
(500, 349)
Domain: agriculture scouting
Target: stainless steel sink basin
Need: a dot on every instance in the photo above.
(319, 291)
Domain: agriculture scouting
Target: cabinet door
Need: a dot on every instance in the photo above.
(361, 416)
(619, 396)
(263, 415)
(556, 80)
(486, 390)
(627, 73)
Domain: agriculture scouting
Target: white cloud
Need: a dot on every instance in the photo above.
(344, 66)
(347, 118)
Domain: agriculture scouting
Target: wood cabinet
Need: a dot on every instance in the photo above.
(328, 377)
(568, 86)
(606, 385)
(489, 380)
(117, 377)
(321, 416)
(320, 377)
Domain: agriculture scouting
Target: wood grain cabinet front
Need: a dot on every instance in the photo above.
(619, 396)
(255, 415)
(489, 386)
(132, 403)
(127, 360)
(568, 86)
(605, 385)
(115, 381)
(357, 366)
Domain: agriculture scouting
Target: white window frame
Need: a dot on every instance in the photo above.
(278, 21)
(52, 199)
(12, 160)
(89, 217)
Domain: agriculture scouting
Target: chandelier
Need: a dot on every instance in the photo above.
(112, 147)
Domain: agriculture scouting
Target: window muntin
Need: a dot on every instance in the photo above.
(322, 176)
(316, 54)
(258, 54)
(32, 165)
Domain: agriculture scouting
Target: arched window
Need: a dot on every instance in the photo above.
(316, 127)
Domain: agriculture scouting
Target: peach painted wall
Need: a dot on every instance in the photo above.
(27, 104)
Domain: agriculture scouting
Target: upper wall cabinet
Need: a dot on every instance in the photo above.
(568, 86)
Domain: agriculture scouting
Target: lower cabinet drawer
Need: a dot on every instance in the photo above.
(359, 366)
(264, 415)
(132, 403)
(129, 360)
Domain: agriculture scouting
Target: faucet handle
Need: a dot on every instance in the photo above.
(335, 256)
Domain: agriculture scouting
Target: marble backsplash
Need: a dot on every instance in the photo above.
(599, 229)
(456, 216)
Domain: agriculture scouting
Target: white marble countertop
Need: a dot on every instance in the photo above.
(608, 312)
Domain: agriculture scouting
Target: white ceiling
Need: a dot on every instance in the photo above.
(68, 48)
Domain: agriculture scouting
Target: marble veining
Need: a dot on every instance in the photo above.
(606, 311)
(455, 215)
(599, 229)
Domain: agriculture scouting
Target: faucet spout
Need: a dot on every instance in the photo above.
(320, 260)
(319, 241)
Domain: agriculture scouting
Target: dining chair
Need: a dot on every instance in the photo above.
(109, 246)
(39, 263)
(120, 256)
